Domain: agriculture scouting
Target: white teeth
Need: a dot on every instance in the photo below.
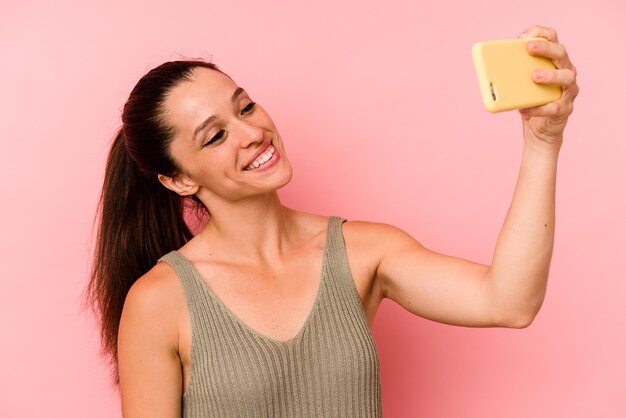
(262, 159)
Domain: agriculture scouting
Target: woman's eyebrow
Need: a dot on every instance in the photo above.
(211, 118)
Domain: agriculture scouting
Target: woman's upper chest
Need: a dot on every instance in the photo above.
(277, 296)
(275, 299)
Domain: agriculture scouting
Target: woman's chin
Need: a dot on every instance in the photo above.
(286, 177)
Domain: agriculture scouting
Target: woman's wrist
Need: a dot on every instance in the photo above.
(541, 147)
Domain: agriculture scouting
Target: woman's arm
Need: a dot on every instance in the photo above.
(510, 291)
(518, 275)
(149, 364)
(519, 271)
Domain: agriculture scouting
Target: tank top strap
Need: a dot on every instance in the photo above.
(337, 257)
(336, 245)
(340, 273)
(185, 271)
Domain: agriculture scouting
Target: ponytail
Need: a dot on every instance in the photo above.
(139, 221)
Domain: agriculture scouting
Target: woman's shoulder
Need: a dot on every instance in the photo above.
(161, 276)
(369, 229)
(156, 294)
(356, 230)
(148, 335)
(375, 237)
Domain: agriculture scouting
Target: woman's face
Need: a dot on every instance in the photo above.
(227, 146)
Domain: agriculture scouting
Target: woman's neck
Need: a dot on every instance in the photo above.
(255, 229)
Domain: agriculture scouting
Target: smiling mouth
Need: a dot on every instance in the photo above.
(261, 159)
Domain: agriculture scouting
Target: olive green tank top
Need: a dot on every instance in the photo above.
(329, 369)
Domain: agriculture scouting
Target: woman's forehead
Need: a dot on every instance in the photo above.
(204, 94)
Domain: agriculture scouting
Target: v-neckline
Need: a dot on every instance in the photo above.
(235, 318)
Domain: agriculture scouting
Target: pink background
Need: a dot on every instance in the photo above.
(380, 112)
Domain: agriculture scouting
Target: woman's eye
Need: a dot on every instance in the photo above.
(216, 137)
(248, 108)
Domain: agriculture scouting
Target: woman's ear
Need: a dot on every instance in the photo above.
(180, 184)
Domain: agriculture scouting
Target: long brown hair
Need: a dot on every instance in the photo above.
(139, 220)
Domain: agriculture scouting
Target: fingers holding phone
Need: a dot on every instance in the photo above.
(549, 120)
(532, 73)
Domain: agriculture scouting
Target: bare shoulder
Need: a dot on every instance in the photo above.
(156, 298)
(377, 236)
(359, 231)
(156, 285)
(148, 358)
(369, 244)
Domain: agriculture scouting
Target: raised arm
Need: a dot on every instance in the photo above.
(511, 290)
(149, 364)
(519, 271)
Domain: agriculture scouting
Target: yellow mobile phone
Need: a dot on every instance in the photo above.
(504, 69)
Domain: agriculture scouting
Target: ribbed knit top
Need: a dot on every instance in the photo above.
(329, 369)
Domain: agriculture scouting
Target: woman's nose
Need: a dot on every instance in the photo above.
(249, 134)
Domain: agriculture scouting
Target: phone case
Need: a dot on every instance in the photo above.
(504, 69)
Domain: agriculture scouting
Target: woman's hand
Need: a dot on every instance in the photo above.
(546, 123)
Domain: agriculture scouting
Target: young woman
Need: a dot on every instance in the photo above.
(267, 310)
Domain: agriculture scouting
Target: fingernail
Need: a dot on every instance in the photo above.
(538, 75)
